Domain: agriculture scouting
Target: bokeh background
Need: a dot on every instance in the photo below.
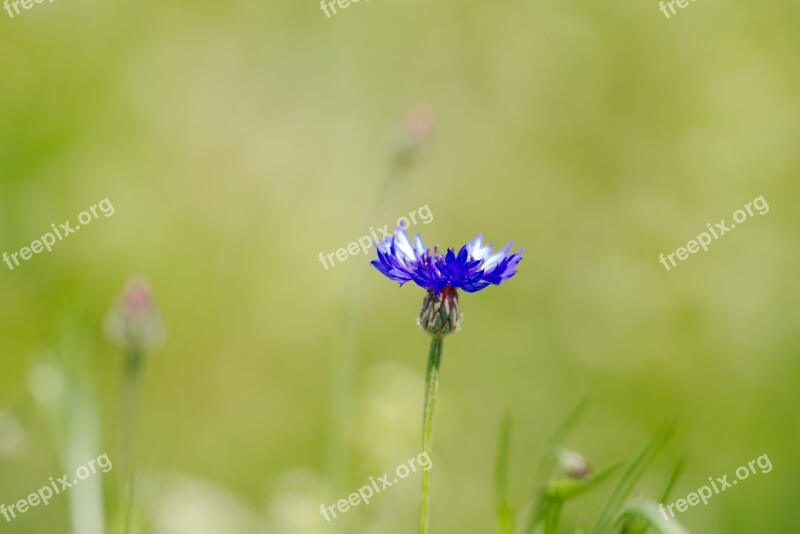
(238, 140)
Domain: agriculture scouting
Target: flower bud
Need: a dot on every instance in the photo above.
(413, 136)
(134, 322)
(441, 313)
(572, 464)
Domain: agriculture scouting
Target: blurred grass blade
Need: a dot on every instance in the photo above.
(570, 488)
(504, 523)
(568, 423)
(553, 515)
(636, 525)
(564, 489)
(539, 508)
(673, 477)
(632, 475)
(646, 511)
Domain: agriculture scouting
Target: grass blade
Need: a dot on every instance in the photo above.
(632, 475)
(538, 505)
(673, 477)
(647, 512)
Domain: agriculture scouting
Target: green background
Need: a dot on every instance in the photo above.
(237, 140)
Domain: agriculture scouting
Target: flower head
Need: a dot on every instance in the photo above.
(474, 267)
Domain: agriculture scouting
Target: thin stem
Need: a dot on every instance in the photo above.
(431, 389)
(504, 521)
(127, 436)
(343, 380)
(551, 526)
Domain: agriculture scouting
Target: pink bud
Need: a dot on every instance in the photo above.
(414, 134)
(419, 123)
(134, 322)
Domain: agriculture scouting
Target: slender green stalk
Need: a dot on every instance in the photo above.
(431, 389)
(343, 380)
(127, 437)
(551, 526)
(345, 360)
(504, 520)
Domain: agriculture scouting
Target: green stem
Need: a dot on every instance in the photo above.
(431, 388)
(504, 521)
(551, 526)
(343, 380)
(127, 436)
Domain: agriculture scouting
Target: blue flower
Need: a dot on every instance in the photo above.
(472, 268)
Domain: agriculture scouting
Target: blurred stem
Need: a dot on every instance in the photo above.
(551, 526)
(504, 521)
(431, 390)
(343, 383)
(86, 502)
(127, 436)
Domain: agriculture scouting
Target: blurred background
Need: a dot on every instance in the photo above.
(237, 141)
